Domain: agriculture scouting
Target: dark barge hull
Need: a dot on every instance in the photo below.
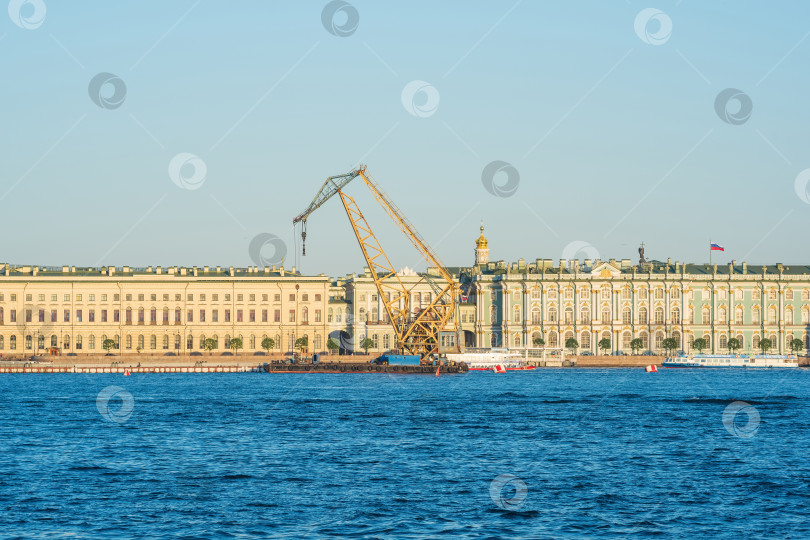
(330, 367)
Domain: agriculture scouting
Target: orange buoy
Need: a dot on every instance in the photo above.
(126, 373)
(651, 369)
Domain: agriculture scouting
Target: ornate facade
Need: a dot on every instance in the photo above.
(593, 300)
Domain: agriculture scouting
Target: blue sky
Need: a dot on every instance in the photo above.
(614, 134)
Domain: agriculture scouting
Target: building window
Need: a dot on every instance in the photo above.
(292, 315)
(659, 295)
(626, 293)
(493, 314)
(317, 315)
(606, 315)
(585, 340)
(627, 317)
(202, 315)
(722, 314)
(676, 315)
(705, 316)
(738, 315)
(104, 315)
(239, 315)
(585, 315)
(153, 342)
(252, 315)
(552, 315)
(659, 316)
(569, 315)
(277, 315)
(264, 315)
(516, 315)
(227, 315)
(755, 315)
(535, 316)
(67, 315)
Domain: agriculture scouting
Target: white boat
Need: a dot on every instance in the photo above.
(732, 361)
(491, 359)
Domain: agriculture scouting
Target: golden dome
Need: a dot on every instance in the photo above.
(482, 242)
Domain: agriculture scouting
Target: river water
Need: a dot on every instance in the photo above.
(551, 453)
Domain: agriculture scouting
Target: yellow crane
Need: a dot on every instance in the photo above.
(431, 330)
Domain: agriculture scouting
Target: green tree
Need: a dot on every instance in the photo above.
(734, 345)
(670, 344)
(700, 344)
(765, 344)
(302, 343)
(572, 344)
(796, 345)
(635, 345)
(604, 344)
(108, 344)
(236, 344)
(209, 344)
(332, 345)
(366, 344)
(539, 342)
(268, 343)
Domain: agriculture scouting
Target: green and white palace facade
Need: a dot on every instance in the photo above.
(512, 304)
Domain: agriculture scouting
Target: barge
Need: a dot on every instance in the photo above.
(364, 367)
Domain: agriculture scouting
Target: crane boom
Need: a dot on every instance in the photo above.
(330, 187)
(419, 332)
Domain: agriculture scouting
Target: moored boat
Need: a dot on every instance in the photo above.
(732, 361)
(498, 360)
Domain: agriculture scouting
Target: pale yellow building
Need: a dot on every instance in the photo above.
(159, 310)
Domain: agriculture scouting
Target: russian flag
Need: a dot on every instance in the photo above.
(716, 247)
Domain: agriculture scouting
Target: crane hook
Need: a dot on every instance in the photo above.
(304, 238)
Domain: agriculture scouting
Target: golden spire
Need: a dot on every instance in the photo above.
(482, 242)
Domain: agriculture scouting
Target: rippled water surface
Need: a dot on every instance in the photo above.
(591, 453)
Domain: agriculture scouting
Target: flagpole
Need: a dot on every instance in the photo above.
(710, 251)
